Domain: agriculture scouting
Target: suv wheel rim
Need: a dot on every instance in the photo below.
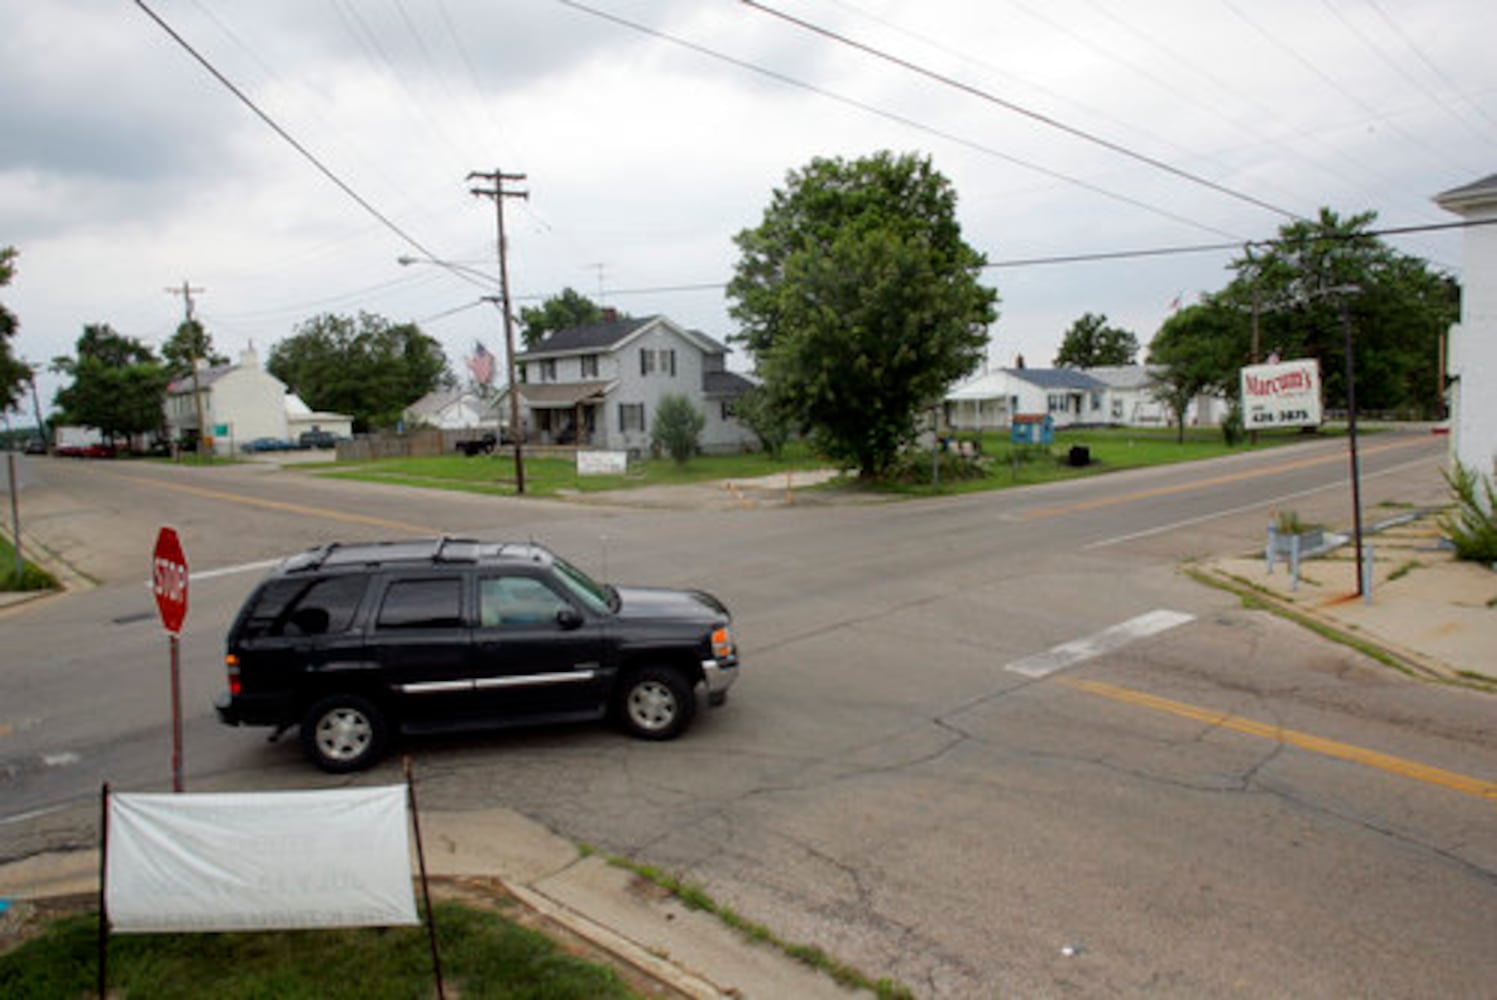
(343, 734)
(652, 706)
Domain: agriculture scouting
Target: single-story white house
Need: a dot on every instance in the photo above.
(453, 410)
(1472, 364)
(1119, 395)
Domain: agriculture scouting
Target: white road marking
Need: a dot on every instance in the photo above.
(209, 574)
(33, 814)
(60, 759)
(1076, 651)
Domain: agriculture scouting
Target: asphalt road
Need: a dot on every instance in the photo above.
(990, 745)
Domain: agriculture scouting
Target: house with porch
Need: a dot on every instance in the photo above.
(991, 400)
(1472, 366)
(600, 385)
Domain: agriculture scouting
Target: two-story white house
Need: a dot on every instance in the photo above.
(600, 385)
(1473, 342)
(241, 403)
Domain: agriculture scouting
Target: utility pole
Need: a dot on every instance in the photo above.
(204, 438)
(498, 193)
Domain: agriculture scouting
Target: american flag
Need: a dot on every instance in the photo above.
(481, 364)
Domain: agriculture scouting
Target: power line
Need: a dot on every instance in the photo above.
(1008, 105)
(287, 136)
(892, 116)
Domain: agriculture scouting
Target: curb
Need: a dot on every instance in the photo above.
(1415, 663)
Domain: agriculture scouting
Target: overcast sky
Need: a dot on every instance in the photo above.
(652, 131)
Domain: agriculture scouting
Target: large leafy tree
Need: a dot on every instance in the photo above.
(1397, 305)
(1091, 342)
(859, 301)
(367, 366)
(117, 384)
(1198, 350)
(190, 342)
(559, 312)
(14, 373)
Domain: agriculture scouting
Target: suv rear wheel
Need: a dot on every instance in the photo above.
(343, 733)
(656, 703)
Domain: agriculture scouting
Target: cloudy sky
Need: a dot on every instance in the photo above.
(652, 131)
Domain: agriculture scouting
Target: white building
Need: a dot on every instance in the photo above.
(453, 410)
(1472, 364)
(239, 404)
(1118, 395)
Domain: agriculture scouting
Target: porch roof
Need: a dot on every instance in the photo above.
(563, 395)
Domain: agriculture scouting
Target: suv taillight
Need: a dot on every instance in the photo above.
(232, 663)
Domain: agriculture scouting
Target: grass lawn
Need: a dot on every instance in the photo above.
(31, 578)
(483, 952)
(1006, 465)
(555, 476)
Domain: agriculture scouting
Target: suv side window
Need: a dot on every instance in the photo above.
(300, 607)
(509, 601)
(423, 604)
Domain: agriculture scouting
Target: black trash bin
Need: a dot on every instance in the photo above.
(1080, 455)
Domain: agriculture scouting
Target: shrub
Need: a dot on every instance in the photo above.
(1472, 526)
(677, 426)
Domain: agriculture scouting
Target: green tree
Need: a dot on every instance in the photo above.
(14, 373)
(367, 367)
(1091, 342)
(1199, 349)
(1398, 308)
(117, 384)
(191, 341)
(677, 426)
(761, 413)
(860, 302)
(559, 312)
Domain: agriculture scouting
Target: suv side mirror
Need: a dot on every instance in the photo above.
(568, 619)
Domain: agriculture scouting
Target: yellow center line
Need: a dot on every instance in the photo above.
(292, 508)
(1201, 484)
(1315, 744)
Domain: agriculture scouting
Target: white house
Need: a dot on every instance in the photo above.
(601, 384)
(991, 400)
(239, 404)
(1118, 395)
(452, 410)
(1472, 364)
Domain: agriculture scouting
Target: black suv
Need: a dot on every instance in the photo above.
(351, 642)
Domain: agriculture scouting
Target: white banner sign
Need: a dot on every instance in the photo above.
(259, 861)
(1287, 394)
(602, 463)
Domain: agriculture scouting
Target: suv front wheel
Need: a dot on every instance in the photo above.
(656, 703)
(343, 733)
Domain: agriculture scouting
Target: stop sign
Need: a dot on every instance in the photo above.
(169, 579)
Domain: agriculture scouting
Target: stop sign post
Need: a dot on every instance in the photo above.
(169, 583)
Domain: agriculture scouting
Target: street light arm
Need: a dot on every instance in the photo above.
(472, 275)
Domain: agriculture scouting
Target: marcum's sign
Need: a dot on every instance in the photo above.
(1287, 394)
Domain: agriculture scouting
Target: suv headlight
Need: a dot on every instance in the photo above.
(723, 646)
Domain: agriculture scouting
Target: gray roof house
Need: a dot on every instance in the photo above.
(992, 399)
(600, 385)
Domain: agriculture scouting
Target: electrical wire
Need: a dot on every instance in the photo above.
(291, 140)
(892, 116)
(1043, 119)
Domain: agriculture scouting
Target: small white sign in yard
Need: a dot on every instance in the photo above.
(602, 463)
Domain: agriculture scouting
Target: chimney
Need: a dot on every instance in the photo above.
(248, 358)
(1019, 362)
(610, 314)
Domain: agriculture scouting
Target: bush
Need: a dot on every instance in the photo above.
(1232, 432)
(677, 426)
(913, 468)
(1472, 526)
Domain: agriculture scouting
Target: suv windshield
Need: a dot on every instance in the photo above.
(585, 588)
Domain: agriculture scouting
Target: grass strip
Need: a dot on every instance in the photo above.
(32, 577)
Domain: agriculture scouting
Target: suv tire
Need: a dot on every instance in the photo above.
(343, 733)
(656, 703)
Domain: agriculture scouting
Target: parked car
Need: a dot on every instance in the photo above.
(353, 643)
(267, 444)
(478, 446)
(35, 446)
(317, 439)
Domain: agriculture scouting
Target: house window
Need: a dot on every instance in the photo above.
(631, 416)
(727, 410)
(1055, 403)
(662, 360)
(1117, 409)
(1096, 401)
(548, 370)
(589, 366)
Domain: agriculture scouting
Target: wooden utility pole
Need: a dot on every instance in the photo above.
(498, 193)
(186, 291)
